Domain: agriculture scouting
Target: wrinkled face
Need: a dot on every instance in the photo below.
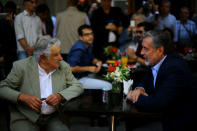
(54, 58)
(30, 5)
(140, 31)
(152, 56)
(165, 8)
(87, 36)
(106, 4)
(184, 14)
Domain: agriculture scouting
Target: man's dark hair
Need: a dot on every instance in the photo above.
(42, 8)
(147, 26)
(9, 7)
(73, 2)
(160, 38)
(80, 29)
(169, 31)
(165, 1)
(27, 1)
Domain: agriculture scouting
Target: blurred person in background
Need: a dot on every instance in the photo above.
(68, 22)
(27, 28)
(165, 19)
(18, 9)
(148, 8)
(8, 39)
(185, 30)
(128, 35)
(134, 51)
(43, 12)
(93, 6)
(7, 56)
(106, 22)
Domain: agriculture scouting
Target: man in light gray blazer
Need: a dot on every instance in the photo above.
(37, 85)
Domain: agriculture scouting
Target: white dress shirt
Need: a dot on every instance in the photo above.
(45, 90)
(155, 69)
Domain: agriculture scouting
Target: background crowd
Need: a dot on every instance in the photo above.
(85, 28)
(111, 26)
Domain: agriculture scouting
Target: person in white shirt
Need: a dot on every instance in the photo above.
(28, 29)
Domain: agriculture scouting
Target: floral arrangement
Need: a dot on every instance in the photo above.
(112, 52)
(116, 74)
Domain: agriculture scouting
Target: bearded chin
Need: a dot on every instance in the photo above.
(147, 63)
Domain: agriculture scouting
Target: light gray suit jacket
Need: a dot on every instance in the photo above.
(24, 78)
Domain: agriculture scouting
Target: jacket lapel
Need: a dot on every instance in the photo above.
(161, 69)
(33, 75)
(56, 81)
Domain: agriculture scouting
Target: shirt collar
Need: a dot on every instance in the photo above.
(42, 71)
(27, 14)
(83, 45)
(157, 66)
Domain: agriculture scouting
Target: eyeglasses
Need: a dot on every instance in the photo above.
(88, 34)
(139, 31)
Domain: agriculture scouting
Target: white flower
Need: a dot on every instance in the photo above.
(120, 74)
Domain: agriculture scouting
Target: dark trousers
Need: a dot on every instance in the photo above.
(4, 116)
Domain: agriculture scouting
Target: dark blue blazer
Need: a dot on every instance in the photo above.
(173, 94)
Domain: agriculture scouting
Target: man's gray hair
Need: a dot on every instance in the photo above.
(44, 45)
(160, 38)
